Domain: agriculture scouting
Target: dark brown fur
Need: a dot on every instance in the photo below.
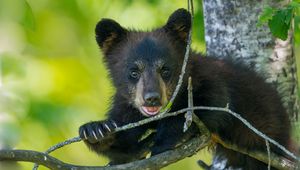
(215, 83)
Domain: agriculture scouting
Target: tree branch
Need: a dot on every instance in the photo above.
(187, 149)
(155, 162)
(168, 156)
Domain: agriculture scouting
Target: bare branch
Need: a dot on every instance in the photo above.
(155, 162)
(159, 161)
(189, 114)
(185, 60)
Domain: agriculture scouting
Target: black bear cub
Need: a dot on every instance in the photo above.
(145, 67)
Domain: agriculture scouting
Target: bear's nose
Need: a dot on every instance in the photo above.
(152, 98)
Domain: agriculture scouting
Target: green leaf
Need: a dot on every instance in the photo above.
(278, 25)
(266, 15)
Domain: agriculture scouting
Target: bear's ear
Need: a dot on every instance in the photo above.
(109, 33)
(179, 24)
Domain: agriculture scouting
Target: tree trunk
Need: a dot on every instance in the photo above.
(231, 30)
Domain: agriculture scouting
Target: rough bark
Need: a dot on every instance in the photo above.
(231, 30)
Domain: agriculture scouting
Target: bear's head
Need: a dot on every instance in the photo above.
(145, 66)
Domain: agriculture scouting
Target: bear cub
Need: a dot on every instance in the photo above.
(145, 67)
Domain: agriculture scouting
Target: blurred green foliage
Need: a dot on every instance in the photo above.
(52, 76)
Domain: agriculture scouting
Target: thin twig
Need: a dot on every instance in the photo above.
(57, 146)
(189, 114)
(185, 60)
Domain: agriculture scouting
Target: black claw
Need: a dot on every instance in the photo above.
(95, 131)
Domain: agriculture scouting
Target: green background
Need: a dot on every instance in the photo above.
(53, 79)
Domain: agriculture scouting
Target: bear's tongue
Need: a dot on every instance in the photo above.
(153, 110)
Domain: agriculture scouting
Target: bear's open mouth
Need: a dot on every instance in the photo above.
(151, 110)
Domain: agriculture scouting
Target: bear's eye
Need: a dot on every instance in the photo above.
(165, 72)
(134, 74)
